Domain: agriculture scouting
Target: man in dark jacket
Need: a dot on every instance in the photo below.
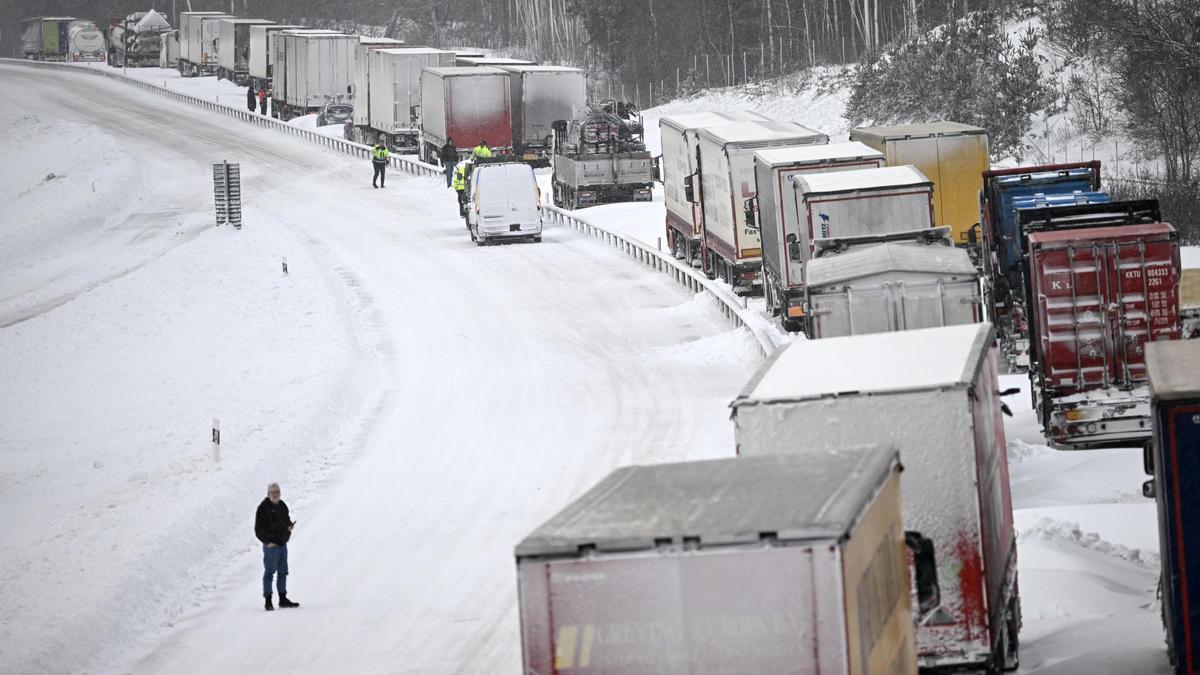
(251, 99)
(449, 157)
(273, 527)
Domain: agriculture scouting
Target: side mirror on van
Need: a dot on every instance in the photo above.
(1148, 457)
(973, 235)
(793, 248)
(689, 192)
(924, 567)
(751, 206)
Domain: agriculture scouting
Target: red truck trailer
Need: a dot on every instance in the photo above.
(467, 105)
(1103, 282)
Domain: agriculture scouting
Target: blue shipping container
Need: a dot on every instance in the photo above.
(1009, 189)
(1174, 369)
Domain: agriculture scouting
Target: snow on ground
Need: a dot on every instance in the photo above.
(424, 402)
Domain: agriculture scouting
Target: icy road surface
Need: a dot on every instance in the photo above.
(424, 402)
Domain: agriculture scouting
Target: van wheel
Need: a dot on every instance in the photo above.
(537, 239)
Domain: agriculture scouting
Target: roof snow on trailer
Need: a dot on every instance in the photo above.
(461, 71)
(819, 495)
(862, 179)
(927, 130)
(877, 363)
(751, 132)
(1174, 369)
(709, 118)
(817, 154)
(890, 257)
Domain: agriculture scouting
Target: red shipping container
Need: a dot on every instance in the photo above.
(1100, 294)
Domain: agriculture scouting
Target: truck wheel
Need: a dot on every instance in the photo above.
(537, 239)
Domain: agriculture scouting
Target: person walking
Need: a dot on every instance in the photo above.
(379, 159)
(262, 101)
(273, 527)
(250, 98)
(481, 150)
(449, 157)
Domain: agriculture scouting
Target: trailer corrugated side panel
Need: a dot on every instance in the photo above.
(396, 86)
(31, 36)
(676, 164)
(1100, 295)
(210, 37)
(707, 611)
(940, 489)
(478, 109)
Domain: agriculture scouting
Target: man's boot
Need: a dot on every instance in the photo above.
(284, 602)
(269, 607)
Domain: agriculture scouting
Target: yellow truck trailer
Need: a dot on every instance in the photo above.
(1189, 304)
(952, 155)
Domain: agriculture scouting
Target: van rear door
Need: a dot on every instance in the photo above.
(508, 195)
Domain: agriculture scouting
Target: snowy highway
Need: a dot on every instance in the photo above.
(424, 402)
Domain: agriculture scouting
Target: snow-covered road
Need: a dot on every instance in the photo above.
(425, 402)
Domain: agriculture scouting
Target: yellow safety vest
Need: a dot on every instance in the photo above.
(380, 153)
(460, 177)
(481, 151)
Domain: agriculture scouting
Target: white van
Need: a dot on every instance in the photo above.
(504, 203)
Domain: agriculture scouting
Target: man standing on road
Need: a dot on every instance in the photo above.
(250, 99)
(273, 527)
(482, 150)
(262, 101)
(379, 159)
(460, 185)
(449, 157)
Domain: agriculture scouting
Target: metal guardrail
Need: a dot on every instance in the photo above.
(733, 307)
(730, 304)
(339, 144)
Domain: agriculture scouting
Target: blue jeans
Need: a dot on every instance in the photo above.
(448, 169)
(275, 561)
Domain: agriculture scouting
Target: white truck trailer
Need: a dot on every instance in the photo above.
(262, 57)
(774, 213)
(934, 394)
(393, 95)
(312, 67)
(467, 105)
(233, 48)
(730, 249)
(540, 96)
(677, 162)
(902, 281)
(198, 38)
(782, 564)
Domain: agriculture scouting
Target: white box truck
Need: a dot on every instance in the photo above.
(317, 67)
(730, 249)
(540, 96)
(774, 213)
(233, 48)
(261, 56)
(394, 96)
(934, 394)
(782, 564)
(677, 161)
(197, 42)
(901, 281)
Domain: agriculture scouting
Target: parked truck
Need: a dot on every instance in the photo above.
(233, 48)
(312, 67)
(934, 394)
(393, 95)
(1003, 244)
(262, 55)
(168, 49)
(136, 40)
(1102, 283)
(773, 212)
(540, 96)
(677, 161)
(1173, 461)
(466, 105)
(730, 249)
(953, 156)
(899, 281)
(85, 43)
(198, 38)
(361, 117)
(784, 564)
(45, 38)
(601, 158)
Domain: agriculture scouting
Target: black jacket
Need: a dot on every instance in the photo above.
(449, 154)
(271, 523)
